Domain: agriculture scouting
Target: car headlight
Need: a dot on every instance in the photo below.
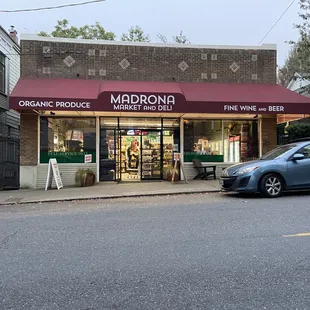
(225, 172)
(245, 170)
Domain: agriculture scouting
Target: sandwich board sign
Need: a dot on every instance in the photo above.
(53, 171)
(177, 159)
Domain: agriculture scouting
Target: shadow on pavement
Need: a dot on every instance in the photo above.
(258, 196)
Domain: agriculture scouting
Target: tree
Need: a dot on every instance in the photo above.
(291, 66)
(299, 57)
(135, 34)
(94, 32)
(179, 39)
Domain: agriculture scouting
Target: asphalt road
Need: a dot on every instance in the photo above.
(176, 252)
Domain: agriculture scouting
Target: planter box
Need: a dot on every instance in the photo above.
(176, 178)
(89, 179)
(84, 178)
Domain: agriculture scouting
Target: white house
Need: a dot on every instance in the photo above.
(300, 83)
(9, 75)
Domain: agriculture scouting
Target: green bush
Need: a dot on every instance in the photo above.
(298, 131)
(84, 177)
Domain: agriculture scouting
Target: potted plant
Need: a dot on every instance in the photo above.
(168, 172)
(84, 177)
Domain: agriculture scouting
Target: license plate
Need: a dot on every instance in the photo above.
(222, 182)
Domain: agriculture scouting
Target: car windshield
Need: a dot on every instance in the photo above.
(278, 152)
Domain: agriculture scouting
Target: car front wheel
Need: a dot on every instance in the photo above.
(271, 186)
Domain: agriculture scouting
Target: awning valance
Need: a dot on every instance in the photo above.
(142, 96)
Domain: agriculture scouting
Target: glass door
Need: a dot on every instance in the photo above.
(151, 155)
(130, 155)
(118, 145)
(108, 154)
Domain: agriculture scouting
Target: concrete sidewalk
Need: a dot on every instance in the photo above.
(107, 190)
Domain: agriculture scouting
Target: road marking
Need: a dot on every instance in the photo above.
(298, 235)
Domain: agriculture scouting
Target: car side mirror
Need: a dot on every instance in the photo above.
(298, 157)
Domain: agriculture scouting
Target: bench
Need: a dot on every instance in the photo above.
(204, 171)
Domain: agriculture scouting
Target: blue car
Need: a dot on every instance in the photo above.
(282, 169)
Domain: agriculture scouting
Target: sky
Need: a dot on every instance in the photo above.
(207, 22)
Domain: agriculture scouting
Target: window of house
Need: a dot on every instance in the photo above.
(2, 73)
(67, 139)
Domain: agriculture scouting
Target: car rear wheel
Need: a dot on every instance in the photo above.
(271, 186)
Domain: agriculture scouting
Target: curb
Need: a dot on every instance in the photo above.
(107, 197)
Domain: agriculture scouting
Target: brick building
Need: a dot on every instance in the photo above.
(130, 106)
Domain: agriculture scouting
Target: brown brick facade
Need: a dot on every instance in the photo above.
(269, 133)
(147, 63)
(28, 139)
(52, 59)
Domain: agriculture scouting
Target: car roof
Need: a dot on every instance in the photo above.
(307, 140)
(298, 143)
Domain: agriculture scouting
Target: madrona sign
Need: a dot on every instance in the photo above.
(126, 102)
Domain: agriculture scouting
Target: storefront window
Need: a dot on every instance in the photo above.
(67, 139)
(220, 141)
(240, 140)
(203, 139)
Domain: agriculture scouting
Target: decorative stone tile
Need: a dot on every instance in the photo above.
(254, 76)
(46, 70)
(234, 67)
(91, 52)
(69, 61)
(124, 64)
(103, 53)
(204, 75)
(204, 56)
(91, 72)
(46, 50)
(183, 66)
(102, 72)
(254, 57)
(213, 76)
(214, 56)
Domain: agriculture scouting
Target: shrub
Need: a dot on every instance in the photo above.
(298, 131)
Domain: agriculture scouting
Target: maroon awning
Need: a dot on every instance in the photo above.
(122, 96)
(244, 98)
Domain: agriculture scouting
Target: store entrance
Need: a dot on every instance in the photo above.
(137, 149)
(140, 157)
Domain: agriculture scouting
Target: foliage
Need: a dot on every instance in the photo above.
(179, 39)
(84, 177)
(94, 32)
(168, 171)
(135, 34)
(299, 58)
(63, 29)
(296, 131)
(291, 66)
